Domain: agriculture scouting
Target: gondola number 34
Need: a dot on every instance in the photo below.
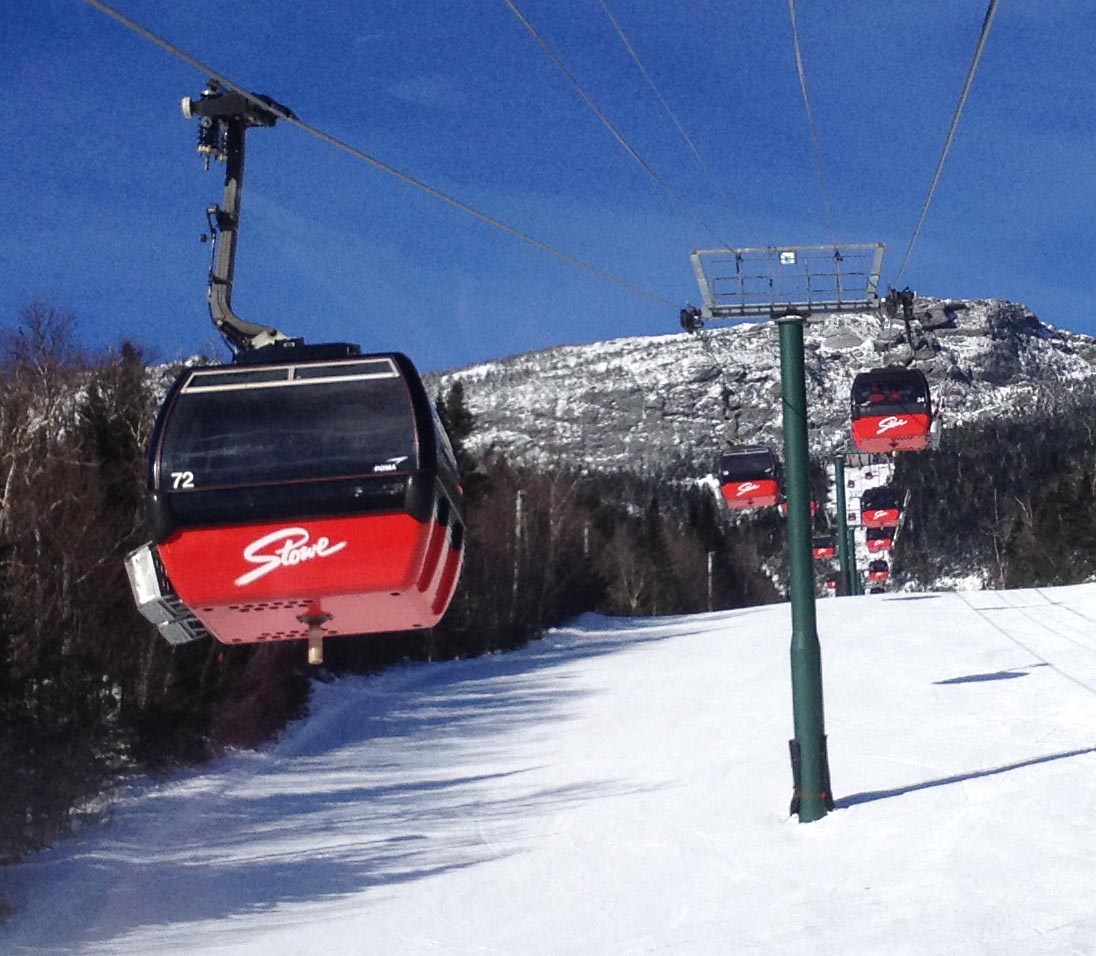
(182, 479)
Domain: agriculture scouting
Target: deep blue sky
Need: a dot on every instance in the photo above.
(105, 196)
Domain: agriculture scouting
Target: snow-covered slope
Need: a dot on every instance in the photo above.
(640, 403)
(622, 787)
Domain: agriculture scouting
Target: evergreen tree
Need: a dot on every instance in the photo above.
(459, 424)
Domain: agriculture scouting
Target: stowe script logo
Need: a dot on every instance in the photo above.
(295, 549)
(878, 514)
(891, 421)
(746, 486)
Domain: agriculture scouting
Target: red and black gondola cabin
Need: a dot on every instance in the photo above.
(749, 477)
(891, 410)
(878, 570)
(305, 485)
(880, 508)
(824, 547)
(879, 539)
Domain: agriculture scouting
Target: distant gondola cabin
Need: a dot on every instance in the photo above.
(749, 477)
(878, 570)
(891, 410)
(880, 507)
(880, 539)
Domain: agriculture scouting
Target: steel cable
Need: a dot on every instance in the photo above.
(705, 168)
(991, 11)
(608, 124)
(290, 118)
(816, 142)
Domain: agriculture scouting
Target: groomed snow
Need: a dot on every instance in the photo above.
(622, 787)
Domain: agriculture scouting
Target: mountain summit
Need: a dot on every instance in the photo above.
(658, 402)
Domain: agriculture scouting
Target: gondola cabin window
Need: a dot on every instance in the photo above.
(274, 425)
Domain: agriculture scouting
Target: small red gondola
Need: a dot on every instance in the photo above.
(878, 570)
(880, 508)
(749, 477)
(891, 410)
(289, 495)
(880, 539)
(824, 547)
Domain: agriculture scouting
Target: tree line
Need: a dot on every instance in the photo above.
(1009, 498)
(90, 695)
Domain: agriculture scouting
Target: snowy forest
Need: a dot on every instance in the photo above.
(90, 695)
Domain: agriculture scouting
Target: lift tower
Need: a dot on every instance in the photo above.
(788, 284)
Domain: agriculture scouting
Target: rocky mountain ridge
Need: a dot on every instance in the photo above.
(671, 402)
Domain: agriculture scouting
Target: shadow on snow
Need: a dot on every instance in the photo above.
(872, 795)
(390, 779)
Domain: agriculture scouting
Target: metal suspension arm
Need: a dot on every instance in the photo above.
(225, 118)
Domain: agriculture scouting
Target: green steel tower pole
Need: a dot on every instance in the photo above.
(842, 522)
(854, 572)
(810, 767)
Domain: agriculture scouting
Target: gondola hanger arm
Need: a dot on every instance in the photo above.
(224, 118)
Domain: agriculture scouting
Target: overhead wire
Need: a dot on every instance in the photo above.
(293, 120)
(816, 142)
(731, 404)
(705, 168)
(608, 123)
(987, 22)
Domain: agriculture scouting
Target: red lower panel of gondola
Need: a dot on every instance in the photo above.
(784, 508)
(361, 575)
(880, 518)
(878, 575)
(879, 544)
(740, 495)
(887, 433)
(823, 554)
